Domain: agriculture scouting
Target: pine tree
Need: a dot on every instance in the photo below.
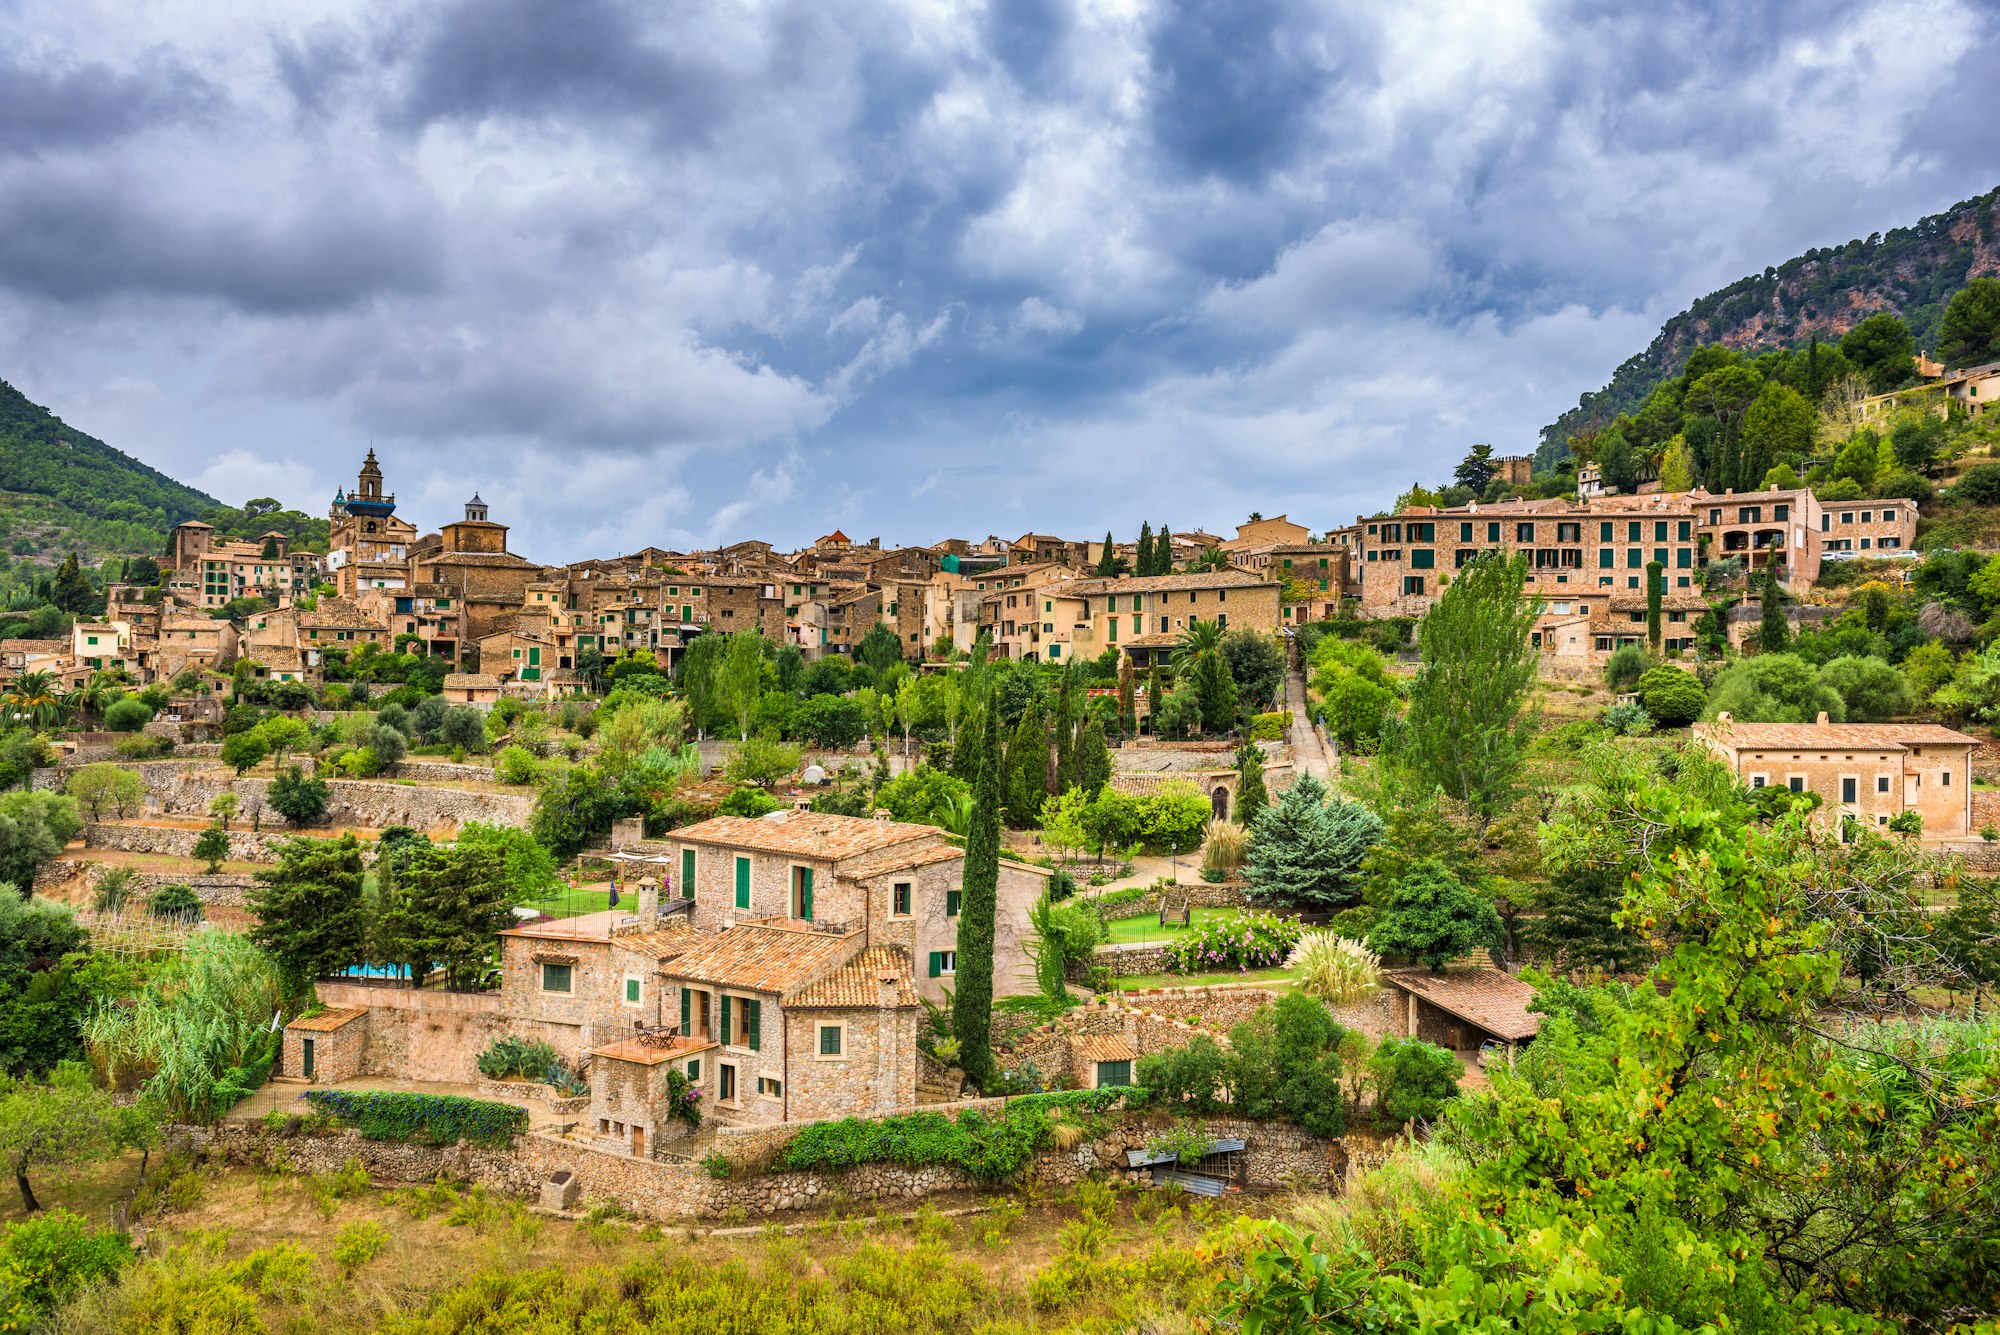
(1027, 770)
(1774, 633)
(310, 913)
(1107, 564)
(71, 590)
(452, 903)
(972, 1003)
(1251, 794)
(1093, 759)
(1656, 581)
(1308, 851)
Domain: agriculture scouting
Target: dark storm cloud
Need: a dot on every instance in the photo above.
(72, 236)
(1236, 82)
(758, 266)
(79, 105)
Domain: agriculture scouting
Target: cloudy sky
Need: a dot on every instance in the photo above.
(691, 272)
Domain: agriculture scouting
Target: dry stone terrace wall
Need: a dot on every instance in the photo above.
(1276, 1156)
(225, 891)
(185, 788)
(174, 841)
(1198, 894)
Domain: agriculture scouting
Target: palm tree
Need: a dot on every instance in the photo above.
(33, 696)
(1198, 641)
(102, 688)
(1211, 560)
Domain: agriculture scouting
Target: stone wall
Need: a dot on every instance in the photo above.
(225, 891)
(531, 1089)
(1126, 960)
(1275, 1156)
(1219, 1007)
(185, 788)
(177, 841)
(1198, 894)
(425, 1034)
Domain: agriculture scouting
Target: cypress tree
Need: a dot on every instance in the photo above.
(1107, 564)
(972, 1003)
(1163, 552)
(1027, 770)
(1128, 692)
(1215, 688)
(1142, 560)
(1251, 794)
(1655, 582)
(1065, 764)
(1093, 759)
(1774, 633)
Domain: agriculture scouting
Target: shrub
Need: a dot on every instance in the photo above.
(128, 715)
(1189, 1078)
(507, 1058)
(1224, 850)
(358, 1244)
(1284, 1063)
(1270, 727)
(113, 888)
(1337, 970)
(300, 798)
(516, 765)
(175, 901)
(748, 802)
(1628, 719)
(979, 1144)
(1628, 663)
(1434, 917)
(1979, 484)
(1673, 696)
(422, 1119)
(47, 1258)
(1412, 1079)
(464, 726)
(1239, 941)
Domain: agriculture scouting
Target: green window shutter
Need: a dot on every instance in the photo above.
(806, 893)
(753, 1024)
(724, 1034)
(937, 962)
(951, 899)
(687, 1009)
(743, 883)
(687, 873)
(631, 989)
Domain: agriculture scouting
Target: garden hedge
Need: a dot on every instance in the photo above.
(981, 1144)
(422, 1119)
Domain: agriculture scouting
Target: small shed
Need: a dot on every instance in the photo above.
(1463, 1008)
(327, 1048)
(481, 689)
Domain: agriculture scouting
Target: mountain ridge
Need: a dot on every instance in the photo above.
(1908, 271)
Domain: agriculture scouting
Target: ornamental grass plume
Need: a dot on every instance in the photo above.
(1337, 970)
(1223, 851)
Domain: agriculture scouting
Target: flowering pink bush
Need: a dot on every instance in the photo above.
(1242, 941)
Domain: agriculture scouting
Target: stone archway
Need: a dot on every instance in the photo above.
(1219, 800)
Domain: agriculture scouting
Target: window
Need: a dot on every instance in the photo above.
(1493, 530)
(944, 963)
(831, 1039)
(1847, 788)
(1796, 782)
(1604, 531)
(1882, 783)
(1944, 779)
(1423, 558)
(951, 898)
(1524, 533)
(899, 899)
(556, 977)
(1759, 780)
(769, 1088)
(725, 1082)
(687, 873)
(1606, 558)
(742, 882)
(1464, 534)
(1413, 584)
(1113, 1073)
(802, 893)
(632, 987)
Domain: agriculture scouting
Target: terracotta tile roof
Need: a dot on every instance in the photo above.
(858, 983)
(1102, 1048)
(1494, 1001)
(806, 834)
(1149, 783)
(904, 860)
(665, 943)
(466, 681)
(327, 1021)
(762, 959)
(34, 646)
(1829, 736)
(1212, 579)
(643, 1053)
(339, 614)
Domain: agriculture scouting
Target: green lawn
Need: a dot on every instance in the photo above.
(1133, 931)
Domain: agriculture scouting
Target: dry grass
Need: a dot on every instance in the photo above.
(1082, 1255)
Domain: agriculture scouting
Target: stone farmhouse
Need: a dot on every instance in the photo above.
(781, 967)
(1865, 773)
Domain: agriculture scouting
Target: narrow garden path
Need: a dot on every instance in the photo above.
(1310, 753)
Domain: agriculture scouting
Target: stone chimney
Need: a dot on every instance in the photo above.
(1821, 720)
(649, 900)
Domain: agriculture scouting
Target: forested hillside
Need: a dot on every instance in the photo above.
(1910, 272)
(62, 490)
